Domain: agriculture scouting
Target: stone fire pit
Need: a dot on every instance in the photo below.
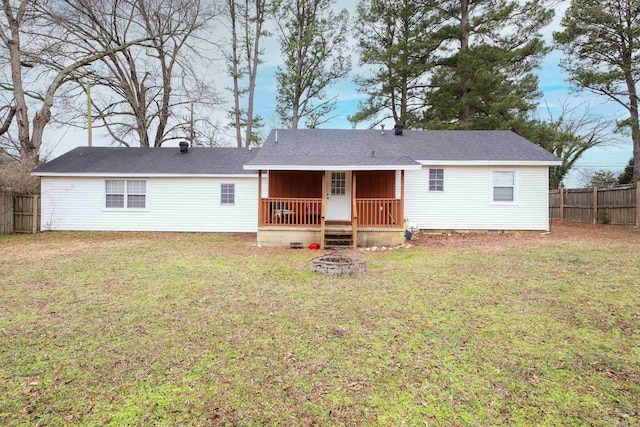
(338, 265)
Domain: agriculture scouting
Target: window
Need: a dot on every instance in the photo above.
(136, 194)
(115, 194)
(227, 194)
(117, 189)
(338, 183)
(436, 179)
(503, 186)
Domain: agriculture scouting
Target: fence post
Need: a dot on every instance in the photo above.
(595, 205)
(561, 203)
(637, 203)
(34, 211)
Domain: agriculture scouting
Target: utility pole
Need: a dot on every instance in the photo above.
(191, 132)
(89, 118)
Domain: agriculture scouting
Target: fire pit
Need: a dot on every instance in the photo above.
(339, 265)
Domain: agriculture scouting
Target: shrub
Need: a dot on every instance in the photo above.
(15, 176)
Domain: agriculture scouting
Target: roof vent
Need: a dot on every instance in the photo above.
(184, 146)
(398, 128)
(382, 131)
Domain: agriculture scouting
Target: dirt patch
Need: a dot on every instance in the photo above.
(562, 232)
(55, 244)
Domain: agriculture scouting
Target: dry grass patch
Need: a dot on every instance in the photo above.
(207, 329)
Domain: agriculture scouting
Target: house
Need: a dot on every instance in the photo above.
(149, 189)
(335, 187)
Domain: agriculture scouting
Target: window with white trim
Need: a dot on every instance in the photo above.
(338, 183)
(436, 179)
(120, 193)
(227, 194)
(504, 186)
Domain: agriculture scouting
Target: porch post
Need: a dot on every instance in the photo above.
(259, 198)
(323, 205)
(402, 198)
(354, 211)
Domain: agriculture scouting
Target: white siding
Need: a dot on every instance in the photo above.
(173, 204)
(466, 202)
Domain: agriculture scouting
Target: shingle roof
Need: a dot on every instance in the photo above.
(355, 147)
(306, 148)
(165, 160)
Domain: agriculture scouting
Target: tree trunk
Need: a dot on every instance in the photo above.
(635, 126)
(627, 67)
(234, 71)
(404, 101)
(253, 57)
(295, 117)
(166, 97)
(464, 47)
(15, 58)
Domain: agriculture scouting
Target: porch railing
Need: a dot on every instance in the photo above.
(379, 213)
(277, 211)
(290, 212)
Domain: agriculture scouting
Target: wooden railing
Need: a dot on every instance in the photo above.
(277, 211)
(379, 213)
(290, 212)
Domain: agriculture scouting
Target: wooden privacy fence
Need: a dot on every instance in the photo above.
(6, 213)
(19, 213)
(596, 205)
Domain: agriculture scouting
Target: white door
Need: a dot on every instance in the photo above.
(338, 196)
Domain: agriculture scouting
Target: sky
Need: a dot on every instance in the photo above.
(553, 84)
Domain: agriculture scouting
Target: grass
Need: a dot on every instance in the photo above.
(201, 329)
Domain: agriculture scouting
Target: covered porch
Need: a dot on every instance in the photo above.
(331, 207)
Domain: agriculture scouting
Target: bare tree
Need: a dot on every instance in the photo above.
(234, 67)
(50, 59)
(144, 90)
(568, 135)
(201, 129)
(259, 10)
(246, 25)
(312, 41)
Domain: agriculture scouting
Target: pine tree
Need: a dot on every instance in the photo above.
(626, 177)
(394, 38)
(601, 40)
(484, 76)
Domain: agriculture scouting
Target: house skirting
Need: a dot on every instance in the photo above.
(368, 237)
(284, 236)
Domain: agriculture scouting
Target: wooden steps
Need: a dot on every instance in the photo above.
(338, 236)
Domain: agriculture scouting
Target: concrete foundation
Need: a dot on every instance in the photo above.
(368, 237)
(284, 236)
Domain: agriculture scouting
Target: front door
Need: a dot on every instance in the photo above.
(338, 207)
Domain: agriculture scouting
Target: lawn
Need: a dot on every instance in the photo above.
(207, 329)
